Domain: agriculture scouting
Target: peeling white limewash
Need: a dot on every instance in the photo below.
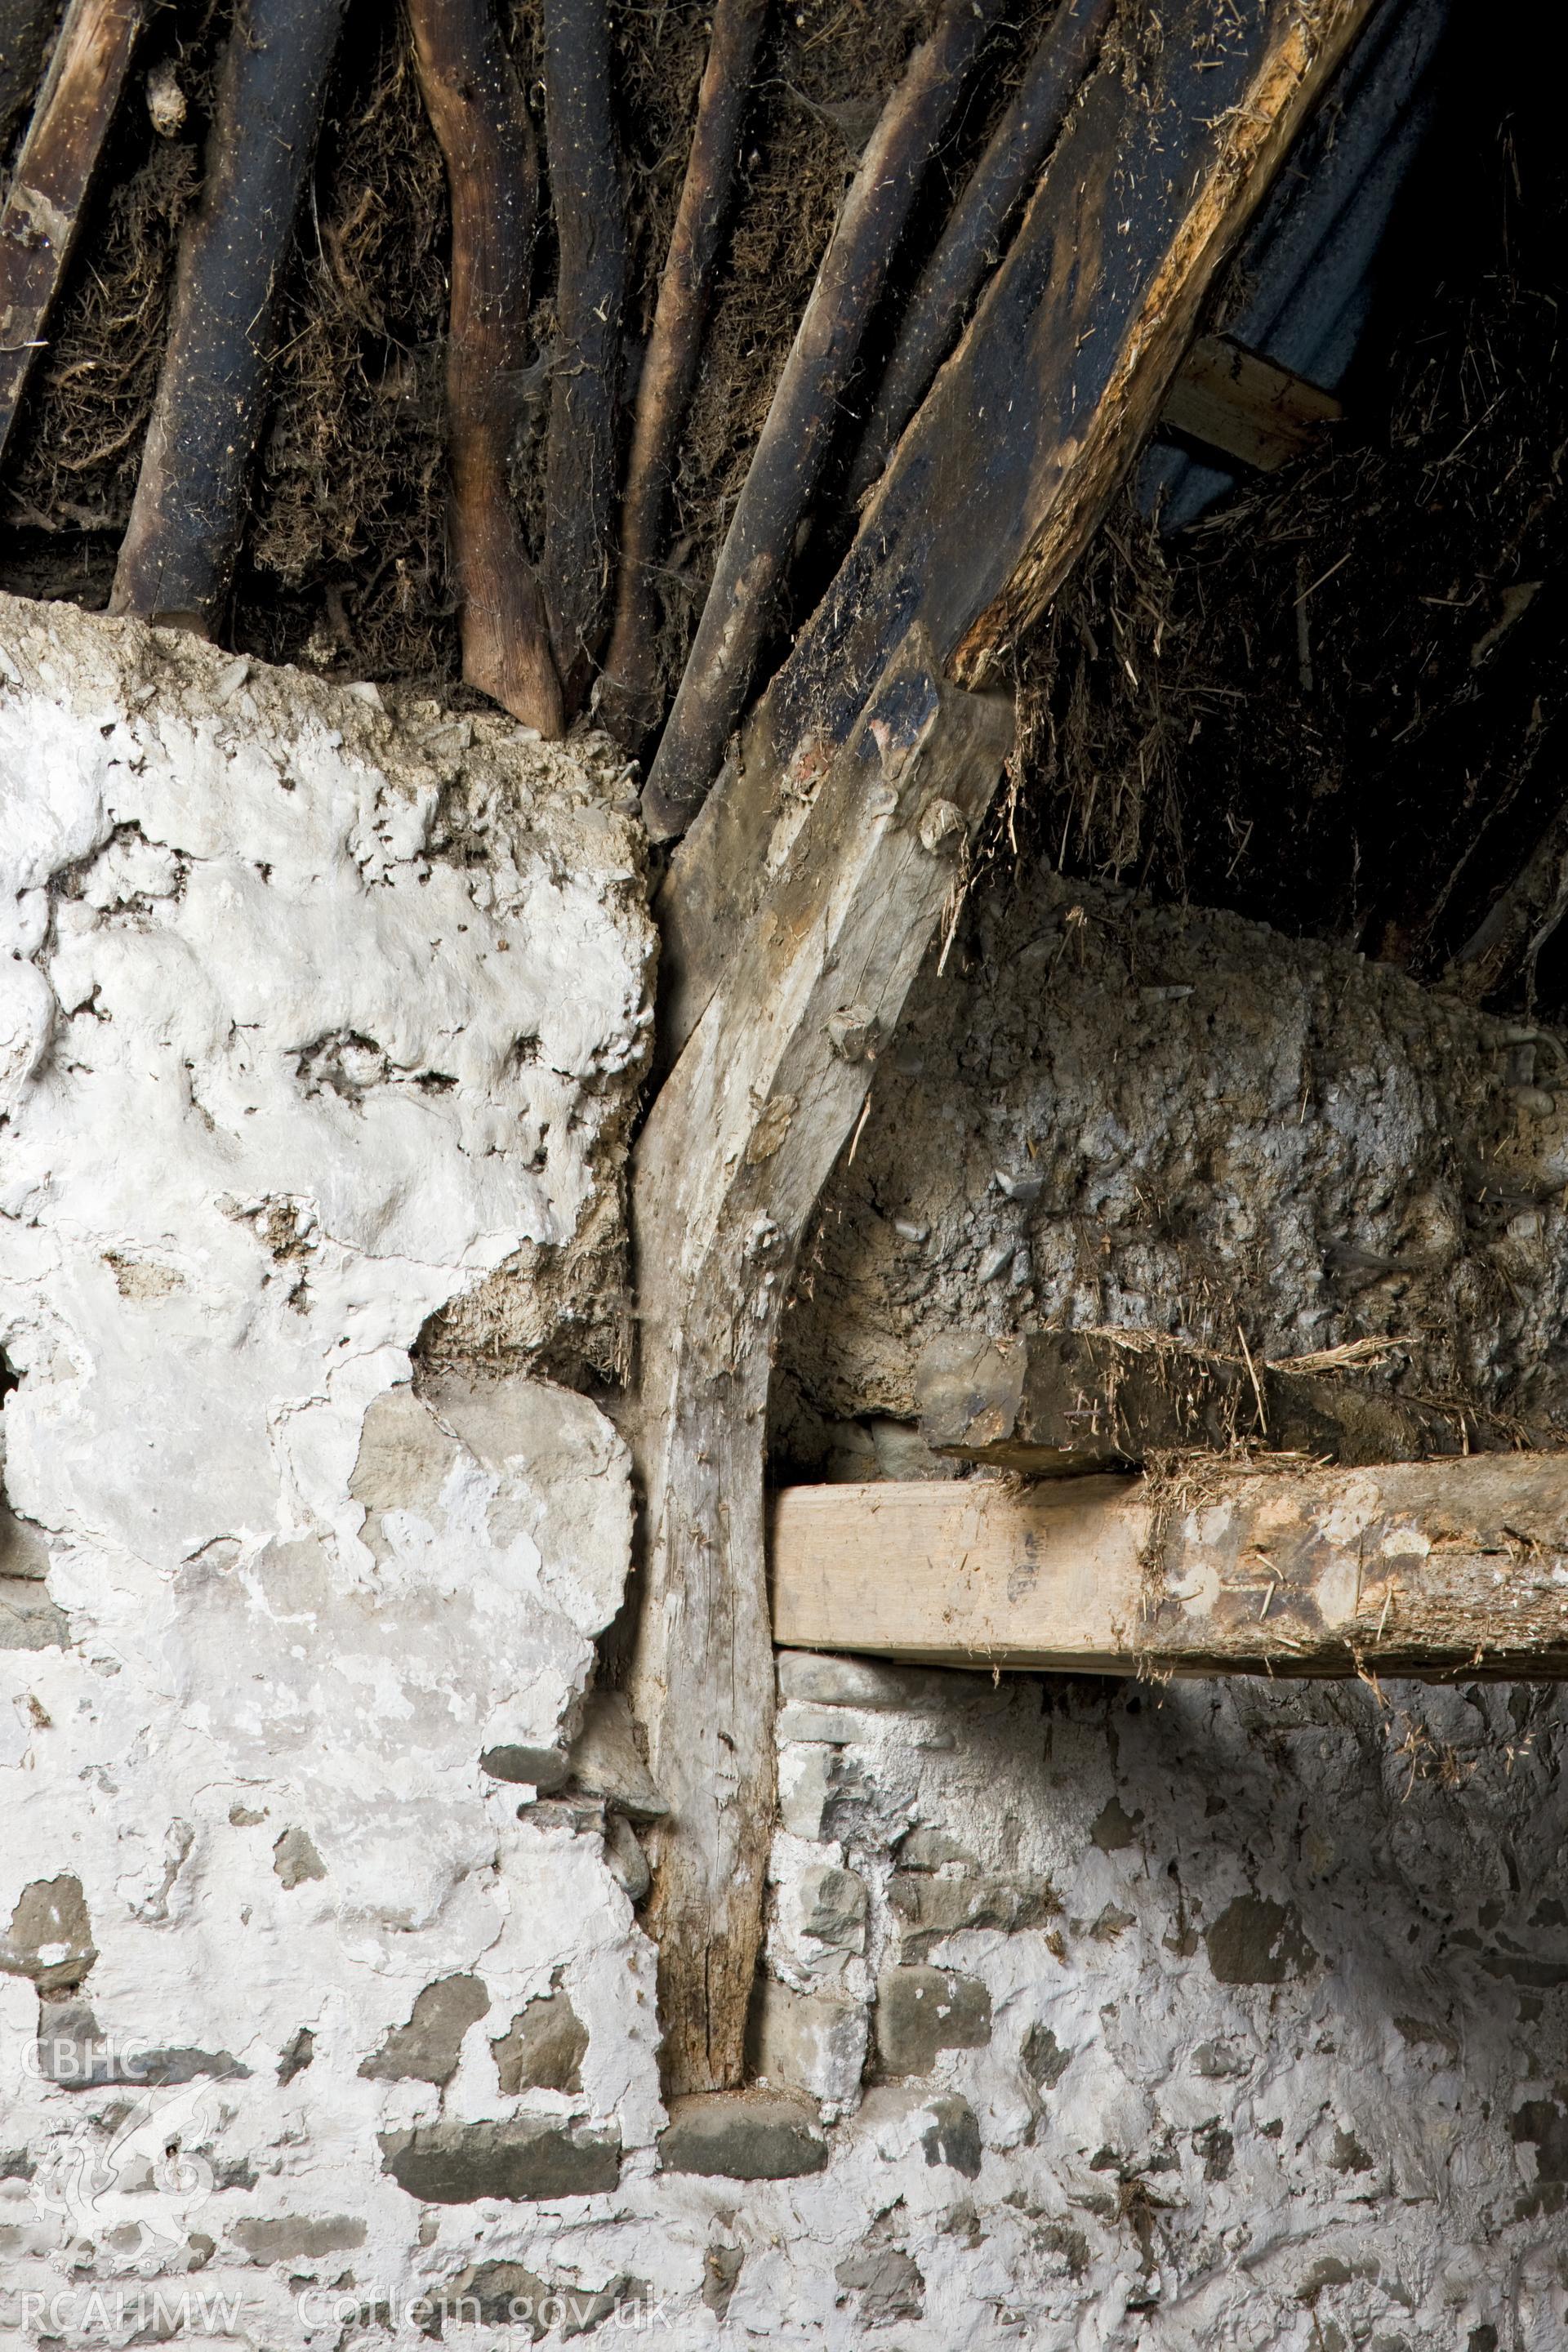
(1218, 2016)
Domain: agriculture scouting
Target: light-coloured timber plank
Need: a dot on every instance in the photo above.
(962, 1572)
(1429, 1569)
(1245, 406)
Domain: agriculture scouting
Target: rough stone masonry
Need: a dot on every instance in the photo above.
(1094, 2015)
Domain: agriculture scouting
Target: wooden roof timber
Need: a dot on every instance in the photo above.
(48, 190)
(798, 913)
(1436, 1570)
(1014, 454)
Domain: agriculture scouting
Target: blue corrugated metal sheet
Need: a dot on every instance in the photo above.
(1311, 258)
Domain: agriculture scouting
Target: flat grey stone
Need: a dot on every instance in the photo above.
(543, 2048)
(499, 2295)
(809, 1778)
(742, 2136)
(456, 2164)
(921, 2011)
(23, 1551)
(584, 2313)
(182, 2064)
(843, 1726)
(953, 2138)
(833, 1906)
(722, 2268)
(605, 1760)
(50, 1916)
(295, 1859)
(932, 1908)
(888, 2103)
(927, 1848)
(820, 1680)
(1114, 1827)
(545, 1768)
(508, 2295)
(297, 2054)
(70, 2052)
(827, 1727)
(577, 1814)
(297, 2237)
(1258, 1942)
(427, 2049)
(806, 2042)
(1216, 2063)
(890, 2282)
(29, 1619)
(1044, 2059)
(628, 1863)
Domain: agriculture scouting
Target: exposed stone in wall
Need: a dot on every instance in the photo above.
(430, 2046)
(1106, 1112)
(50, 1936)
(757, 2135)
(544, 2047)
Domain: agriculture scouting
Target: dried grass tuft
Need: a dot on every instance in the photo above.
(1332, 704)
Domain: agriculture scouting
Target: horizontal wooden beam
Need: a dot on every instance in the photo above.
(1428, 1569)
(1246, 407)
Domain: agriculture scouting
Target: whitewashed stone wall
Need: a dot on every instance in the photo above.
(1214, 2015)
(312, 1022)
(1094, 2016)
